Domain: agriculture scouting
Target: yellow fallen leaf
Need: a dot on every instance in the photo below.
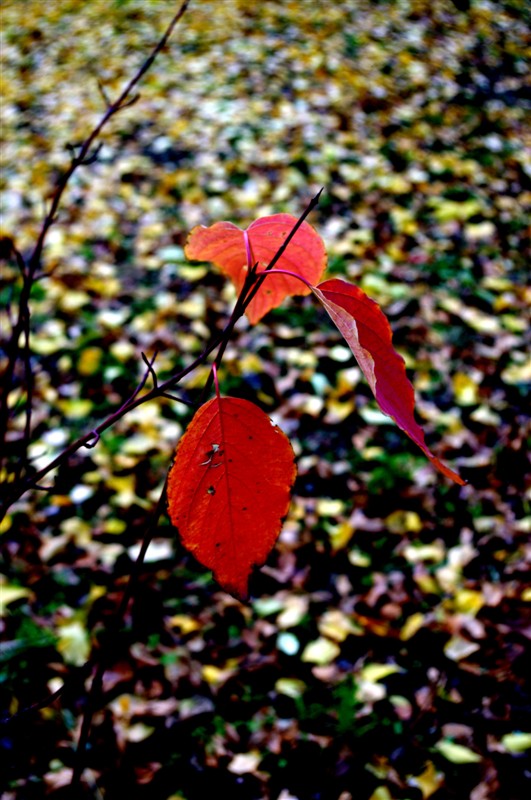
(426, 583)
(416, 554)
(486, 416)
(9, 593)
(358, 559)
(74, 643)
(457, 753)
(458, 648)
(104, 286)
(6, 523)
(393, 184)
(517, 373)
(245, 762)
(513, 323)
(403, 522)
(114, 525)
(75, 409)
(468, 601)
(264, 606)
(329, 508)
(465, 389)
(340, 535)
(412, 624)
(122, 351)
(480, 230)
(140, 443)
(321, 651)
(476, 319)
(453, 211)
(185, 623)
(376, 672)
(428, 781)
(212, 674)
(381, 793)
(73, 300)
(124, 489)
(295, 608)
(89, 361)
(517, 742)
(404, 220)
(338, 410)
(336, 625)
(138, 732)
(291, 687)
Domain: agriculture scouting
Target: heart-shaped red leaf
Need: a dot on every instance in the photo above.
(368, 334)
(230, 487)
(223, 244)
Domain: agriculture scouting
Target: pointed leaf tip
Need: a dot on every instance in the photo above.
(368, 334)
(224, 245)
(230, 488)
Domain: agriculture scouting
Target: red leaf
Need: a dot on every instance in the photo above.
(229, 488)
(224, 245)
(368, 334)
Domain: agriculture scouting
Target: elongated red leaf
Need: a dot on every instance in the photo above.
(224, 245)
(368, 334)
(229, 488)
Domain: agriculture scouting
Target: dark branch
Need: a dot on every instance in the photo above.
(29, 271)
(94, 697)
(149, 365)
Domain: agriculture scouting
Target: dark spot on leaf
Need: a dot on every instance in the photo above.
(211, 490)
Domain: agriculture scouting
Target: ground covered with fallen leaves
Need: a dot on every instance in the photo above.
(384, 653)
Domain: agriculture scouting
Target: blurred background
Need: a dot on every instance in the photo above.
(384, 653)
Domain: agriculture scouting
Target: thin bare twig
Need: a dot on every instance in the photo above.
(19, 259)
(22, 326)
(30, 382)
(170, 396)
(47, 701)
(94, 696)
(120, 103)
(281, 250)
(149, 365)
(98, 661)
(30, 269)
(103, 91)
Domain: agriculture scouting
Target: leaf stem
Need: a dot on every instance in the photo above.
(281, 250)
(286, 272)
(215, 374)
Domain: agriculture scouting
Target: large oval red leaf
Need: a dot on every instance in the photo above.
(368, 334)
(230, 487)
(223, 244)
